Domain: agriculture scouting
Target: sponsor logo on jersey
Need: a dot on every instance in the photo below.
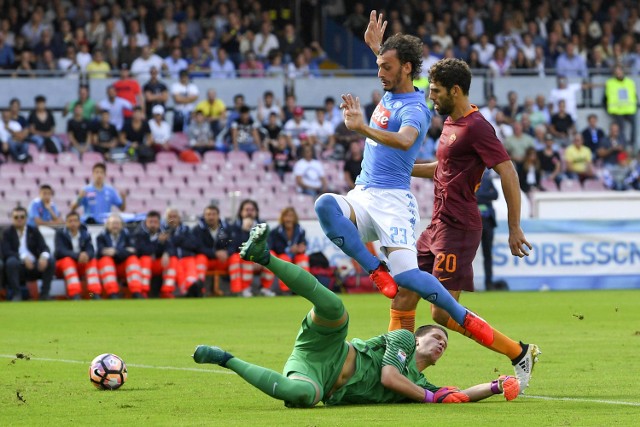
(338, 241)
(402, 356)
(432, 297)
(381, 117)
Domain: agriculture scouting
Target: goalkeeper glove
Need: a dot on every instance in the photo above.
(507, 386)
(445, 395)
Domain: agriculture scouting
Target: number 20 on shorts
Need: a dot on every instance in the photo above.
(446, 262)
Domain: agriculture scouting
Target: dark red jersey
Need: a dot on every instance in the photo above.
(467, 146)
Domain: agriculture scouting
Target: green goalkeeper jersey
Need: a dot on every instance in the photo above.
(396, 348)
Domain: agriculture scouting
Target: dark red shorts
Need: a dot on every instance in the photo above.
(448, 254)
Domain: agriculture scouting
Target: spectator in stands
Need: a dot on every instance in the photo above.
(160, 130)
(314, 56)
(184, 246)
(98, 198)
(271, 130)
(7, 57)
(14, 138)
(33, 29)
(353, 164)
(47, 62)
(42, 127)
(155, 91)
(562, 124)
(265, 40)
(43, 210)
(211, 236)
(128, 89)
(251, 66)
(485, 50)
(503, 128)
(357, 21)
(96, 28)
(309, 174)
(135, 137)
(232, 36)
(288, 241)
(200, 134)
(607, 153)
(274, 67)
(490, 110)
(117, 258)
(199, 60)
(244, 133)
(222, 67)
(550, 161)
(104, 135)
(83, 57)
(323, 133)
(26, 257)
(592, 135)
(157, 257)
(298, 68)
(98, 68)
(282, 155)
(88, 105)
(534, 116)
(376, 97)
(578, 159)
(541, 106)
(621, 101)
(214, 111)
(529, 172)
(240, 271)
(69, 64)
(518, 144)
(513, 108)
(75, 258)
(298, 128)
(267, 105)
(116, 107)
(185, 94)
(428, 59)
(78, 131)
(14, 107)
(568, 93)
(290, 103)
(141, 66)
(570, 64)
(290, 43)
(175, 63)
(142, 39)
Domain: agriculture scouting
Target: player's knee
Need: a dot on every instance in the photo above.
(327, 205)
(299, 394)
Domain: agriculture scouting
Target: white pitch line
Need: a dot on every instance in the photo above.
(133, 365)
(575, 399)
(176, 368)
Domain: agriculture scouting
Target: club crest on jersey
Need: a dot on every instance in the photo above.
(452, 138)
(402, 356)
(381, 116)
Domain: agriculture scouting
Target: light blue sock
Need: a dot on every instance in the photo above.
(343, 233)
(429, 288)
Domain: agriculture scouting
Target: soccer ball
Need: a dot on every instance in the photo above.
(107, 372)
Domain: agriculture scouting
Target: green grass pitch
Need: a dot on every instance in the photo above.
(588, 370)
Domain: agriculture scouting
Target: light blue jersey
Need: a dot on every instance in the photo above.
(386, 167)
(97, 203)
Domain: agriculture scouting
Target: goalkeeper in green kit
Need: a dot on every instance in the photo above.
(324, 367)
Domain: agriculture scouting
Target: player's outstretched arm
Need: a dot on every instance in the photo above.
(506, 385)
(375, 32)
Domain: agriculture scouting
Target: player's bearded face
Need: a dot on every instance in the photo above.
(444, 103)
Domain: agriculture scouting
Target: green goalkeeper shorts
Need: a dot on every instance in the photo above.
(318, 354)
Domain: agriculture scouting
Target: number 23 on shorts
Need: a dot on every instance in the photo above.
(446, 262)
(398, 235)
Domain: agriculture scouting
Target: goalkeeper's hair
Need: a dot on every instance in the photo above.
(408, 49)
(425, 329)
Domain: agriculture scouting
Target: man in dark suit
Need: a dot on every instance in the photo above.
(592, 135)
(26, 256)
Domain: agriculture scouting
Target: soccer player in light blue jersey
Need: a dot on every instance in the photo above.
(381, 206)
(98, 197)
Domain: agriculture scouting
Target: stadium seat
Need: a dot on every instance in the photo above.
(136, 206)
(127, 184)
(157, 173)
(594, 185)
(262, 159)
(68, 158)
(548, 184)
(26, 185)
(238, 158)
(182, 170)
(148, 185)
(42, 158)
(34, 170)
(166, 158)
(10, 171)
(60, 171)
(134, 170)
(214, 158)
(91, 158)
(572, 185)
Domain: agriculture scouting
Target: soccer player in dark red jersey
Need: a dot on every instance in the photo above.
(447, 247)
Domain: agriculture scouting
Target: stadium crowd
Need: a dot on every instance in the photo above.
(147, 44)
